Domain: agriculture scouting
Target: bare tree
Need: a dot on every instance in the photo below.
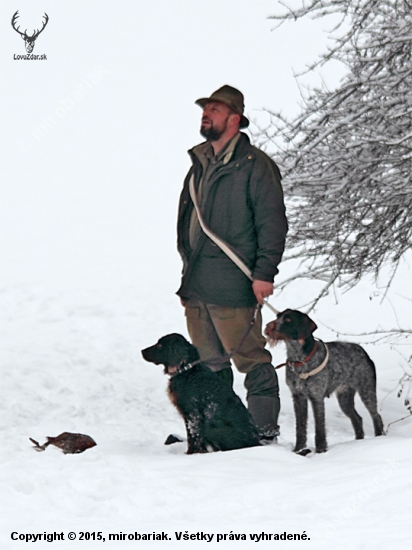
(347, 156)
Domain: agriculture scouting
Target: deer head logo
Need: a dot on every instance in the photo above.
(28, 40)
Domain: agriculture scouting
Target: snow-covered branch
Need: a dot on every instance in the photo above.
(347, 156)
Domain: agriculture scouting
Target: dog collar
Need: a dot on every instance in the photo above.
(299, 363)
(183, 367)
(305, 375)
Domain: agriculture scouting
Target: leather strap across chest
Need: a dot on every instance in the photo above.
(221, 243)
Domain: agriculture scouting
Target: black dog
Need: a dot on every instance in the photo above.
(314, 370)
(215, 417)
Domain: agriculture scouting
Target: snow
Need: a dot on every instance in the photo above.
(88, 275)
(71, 362)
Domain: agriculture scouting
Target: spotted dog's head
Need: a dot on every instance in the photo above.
(290, 325)
(172, 351)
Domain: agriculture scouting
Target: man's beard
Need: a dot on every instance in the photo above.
(212, 133)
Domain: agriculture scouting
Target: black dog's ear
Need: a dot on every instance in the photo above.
(184, 348)
(306, 328)
(192, 353)
(177, 350)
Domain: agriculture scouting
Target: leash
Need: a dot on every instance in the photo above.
(241, 265)
(220, 243)
(274, 310)
(246, 334)
(297, 364)
(183, 367)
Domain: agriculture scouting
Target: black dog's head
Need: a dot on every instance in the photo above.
(171, 351)
(290, 325)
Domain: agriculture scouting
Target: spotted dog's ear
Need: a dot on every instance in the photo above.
(306, 328)
(313, 325)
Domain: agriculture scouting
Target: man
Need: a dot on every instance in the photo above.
(241, 201)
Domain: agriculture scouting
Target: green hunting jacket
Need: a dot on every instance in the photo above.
(245, 208)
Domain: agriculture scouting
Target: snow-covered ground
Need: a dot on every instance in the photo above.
(93, 148)
(71, 362)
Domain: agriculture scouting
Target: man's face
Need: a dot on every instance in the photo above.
(214, 120)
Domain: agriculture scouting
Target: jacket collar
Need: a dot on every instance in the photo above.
(242, 147)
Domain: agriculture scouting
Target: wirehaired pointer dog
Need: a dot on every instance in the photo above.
(314, 370)
(215, 417)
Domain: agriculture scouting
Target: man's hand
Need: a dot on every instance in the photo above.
(262, 289)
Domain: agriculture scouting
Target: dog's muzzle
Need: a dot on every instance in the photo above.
(272, 333)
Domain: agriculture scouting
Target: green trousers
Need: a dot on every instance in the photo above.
(216, 331)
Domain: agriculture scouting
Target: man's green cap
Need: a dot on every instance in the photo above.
(231, 97)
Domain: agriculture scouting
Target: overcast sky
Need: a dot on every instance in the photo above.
(95, 137)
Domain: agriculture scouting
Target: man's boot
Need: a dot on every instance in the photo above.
(265, 411)
(263, 400)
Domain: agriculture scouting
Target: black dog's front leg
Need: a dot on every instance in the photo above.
(318, 406)
(194, 440)
(300, 404)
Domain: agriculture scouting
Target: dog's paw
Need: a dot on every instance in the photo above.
(303, 452)
(172, 438)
